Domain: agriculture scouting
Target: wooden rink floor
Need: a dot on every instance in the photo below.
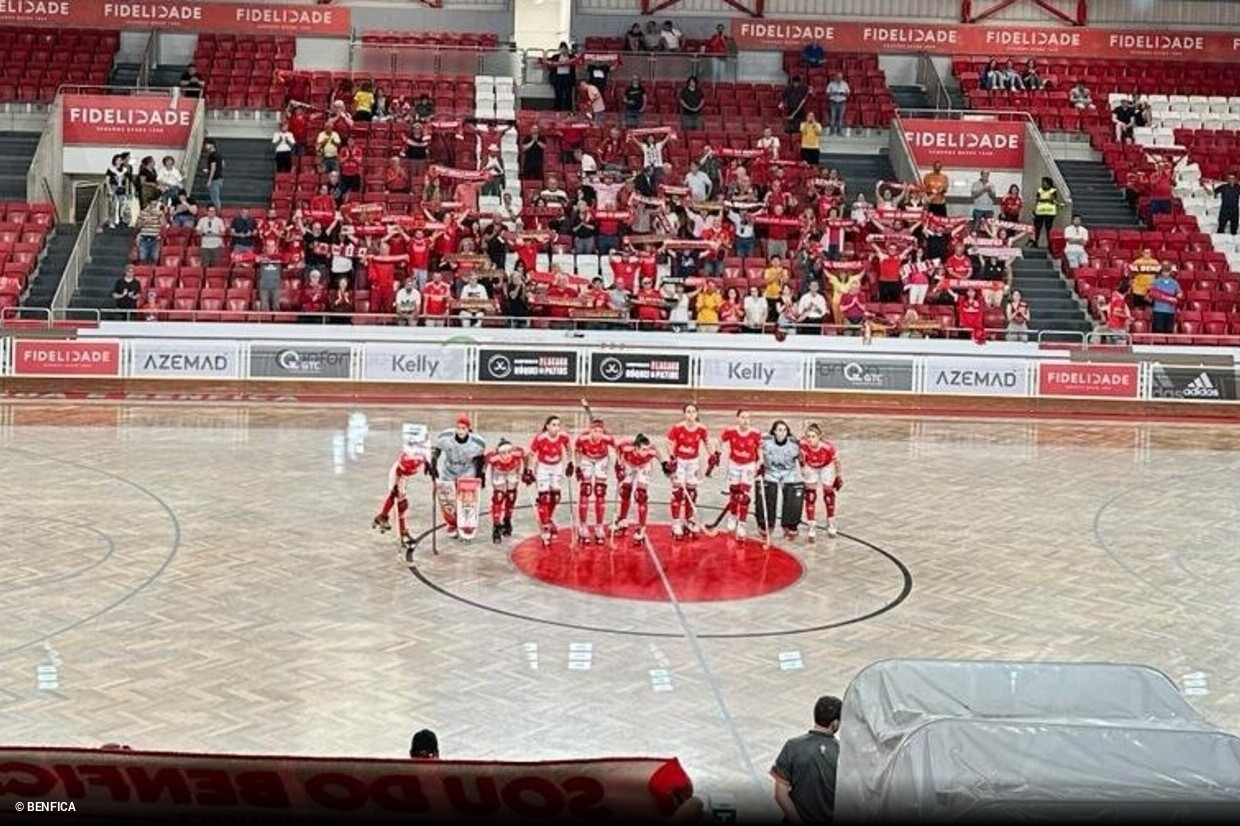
(204, 579)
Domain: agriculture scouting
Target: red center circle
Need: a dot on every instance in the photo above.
(701, 569)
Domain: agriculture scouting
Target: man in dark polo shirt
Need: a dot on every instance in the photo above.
(804, 772)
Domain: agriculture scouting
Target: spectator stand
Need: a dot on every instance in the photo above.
(35, 62)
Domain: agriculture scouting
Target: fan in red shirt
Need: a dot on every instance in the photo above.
(561, 291)
(447, 238)
(611, 151)
(1117, 315)
(420, 256)
(821, 471)
(649, 303)
(273, 229)
(527, 249)
(971, 316)
(299, 126)
(436, 296)
(959, 266)
(505, 462)
(548, 453)
(633, 463)
(718, 42)
(685, 440)
(744, 444)
(314, 294)
(381, 277)
(593, 454)
(350, 158)
(624, 271)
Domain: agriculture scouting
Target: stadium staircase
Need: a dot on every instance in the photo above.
(910, 98)
(1095, 197)
(125, 75)
(249, 173)
(860, 172)
(51, 269)
(108, 256)
(1052, 303)
(16, 152)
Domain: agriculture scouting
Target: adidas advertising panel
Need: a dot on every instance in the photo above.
(977, 377)
(842, 373)
(1192, 384)
(413, 362)
(768, 371)
(639, 368)
(164, 359)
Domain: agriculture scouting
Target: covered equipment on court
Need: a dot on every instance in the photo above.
(946, 739)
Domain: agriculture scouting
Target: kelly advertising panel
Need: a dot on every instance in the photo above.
(187, 15)
(299, 361)
(767, 371)
(963, 144)
(166, 359)
(1111, 381)
(977, 377)
(66, 358)
(533, 366)
(413, 362)
(843, 373)
(639, 368)
(1197, 384)
(1009, 41)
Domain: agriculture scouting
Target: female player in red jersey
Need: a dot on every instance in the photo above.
(820, 469)
(744, 443)
(593, 454)
(634, 459)
(505, 462)
(685, 441)
(548, 453)
(413, 458)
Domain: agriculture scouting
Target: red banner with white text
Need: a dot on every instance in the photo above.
(136, 786)
(1115, 381)
(35, 357)
(966, 144)
(128, 121)
(187, 15)
(1004, 41)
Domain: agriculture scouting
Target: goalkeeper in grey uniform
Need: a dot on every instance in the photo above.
(778, 490)
(457, 453)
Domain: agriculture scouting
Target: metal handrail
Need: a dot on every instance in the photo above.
(79, 257)
(148, 59)
(900, 152)
(18, 314)
(47, 165)
(650, 66)
(193, 145)
(929, 79)
(385, 61)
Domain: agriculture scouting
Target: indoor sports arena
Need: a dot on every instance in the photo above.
(695, 411)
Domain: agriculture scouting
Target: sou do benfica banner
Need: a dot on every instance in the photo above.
(138, 786)
(1006, 41)
(187, 15)
(119, 120)
(989, 144)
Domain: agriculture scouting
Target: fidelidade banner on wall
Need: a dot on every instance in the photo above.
(96, 127)
(1004, 41)
(293, 19)
(966, 144)
(137, 786)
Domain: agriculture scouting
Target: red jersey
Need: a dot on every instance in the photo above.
(446, 243)
(591, 448)
(817, 456)
(635, 457)
(435, 296)
(625, 273)
(410, 462)
(742, 447)
(1117, 312)
(419, 254)
(959, 266)
(527, 254)
(550, 450)
(381, 270)
(509, 461)
(687, 442)
(350, 160)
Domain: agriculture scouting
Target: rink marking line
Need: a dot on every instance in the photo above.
(173, 547)
(716, 688)
(109, 542)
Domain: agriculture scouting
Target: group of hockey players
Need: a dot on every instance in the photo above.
(780, 475)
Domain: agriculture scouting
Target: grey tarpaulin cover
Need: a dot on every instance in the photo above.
(941, 739)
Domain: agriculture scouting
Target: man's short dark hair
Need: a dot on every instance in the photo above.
(424, 744)
(826, 711)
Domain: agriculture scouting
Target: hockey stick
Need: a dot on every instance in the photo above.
(434, 516)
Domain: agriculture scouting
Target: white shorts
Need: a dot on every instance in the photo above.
(594, 470)
(637, 477)
(502, 480)
(824, 476)
(742, 474)
(686, 473)
(548, 477)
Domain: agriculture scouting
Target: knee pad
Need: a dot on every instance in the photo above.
(600, 490)
(510, 496)
(692, 492)
(497, 497)
(555, 496)
(641, 496)
(742, 496)
(678, 496)
(544, 497)
(811, 495)
(402, 503)
(626, 490)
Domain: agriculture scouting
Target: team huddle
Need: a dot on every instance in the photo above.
(780, 475)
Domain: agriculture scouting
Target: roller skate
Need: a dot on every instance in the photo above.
(831, 531)
(740, 531)
(812, 532)
(790, 533)
(497, 533)
(507, 526)
(546, 536)
(583, 535)
(600, 535)
(639, 536)
(678, 530)
(620, 527)
(382, 524)
(409, 544)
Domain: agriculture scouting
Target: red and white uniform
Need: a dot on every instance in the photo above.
(818, 463)
(636, 462)
(594, 455)
(411, 461)
(687, 443)
(743, 449)
(506, 466)
(550, 454)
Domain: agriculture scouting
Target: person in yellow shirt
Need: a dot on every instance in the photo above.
(811, 139)
(774, 278)
(709, 300)
(936, 183)
(1141, 274)
(841, 283)
(364, 102)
